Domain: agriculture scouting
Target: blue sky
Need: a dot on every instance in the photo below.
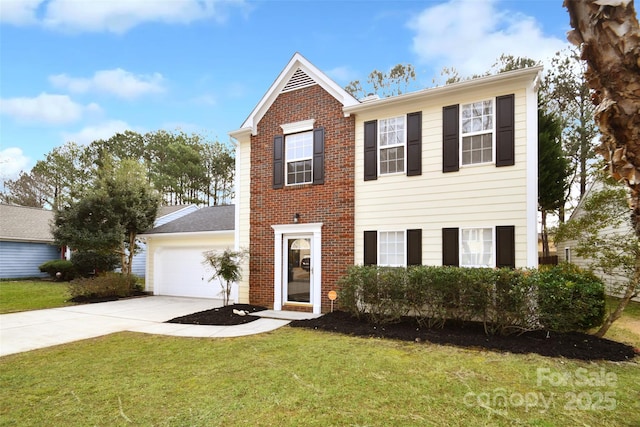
(80, 70)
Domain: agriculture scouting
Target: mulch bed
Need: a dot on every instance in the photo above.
(220, 316)
(572, 345)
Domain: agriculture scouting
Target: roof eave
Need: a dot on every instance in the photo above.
(530, 76)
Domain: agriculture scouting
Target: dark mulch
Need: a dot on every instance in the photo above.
(571, 345)
(220, 316)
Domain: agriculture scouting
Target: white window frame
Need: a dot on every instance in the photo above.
(403, 144)
(493, 247)
(567, 254)
(403, 246)
(288, 159)
(478, 133)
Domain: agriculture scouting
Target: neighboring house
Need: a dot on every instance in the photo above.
(165, 215)
(442, 176)
(175, 252)
(25, 241)
(566, 248)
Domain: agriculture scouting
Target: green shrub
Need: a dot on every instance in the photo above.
(104, 286)
(504, 300)
(65, 269)
(88, 263)
(570, 299)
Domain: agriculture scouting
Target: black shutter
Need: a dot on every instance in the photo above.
(450, 138)
(450, 244)
(505, 123)
(414, 247)
(370, 247)
(371, 150)
(505, 246)
(414, 144)
(278, 161)
(318, 156)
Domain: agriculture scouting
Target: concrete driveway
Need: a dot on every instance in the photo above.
(30, 330)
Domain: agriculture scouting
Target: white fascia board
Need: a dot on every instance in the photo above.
(189, 234)
(528, 76)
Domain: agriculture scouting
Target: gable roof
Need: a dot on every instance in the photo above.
(168, 210)
(20, 223)
(211, 218)
(298, 73)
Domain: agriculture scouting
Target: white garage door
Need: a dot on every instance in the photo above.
(180, 272)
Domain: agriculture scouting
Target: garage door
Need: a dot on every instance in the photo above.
(180, 272)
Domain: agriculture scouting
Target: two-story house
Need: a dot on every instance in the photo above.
(442, 176)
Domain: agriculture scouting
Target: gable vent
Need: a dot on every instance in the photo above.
(299, 80)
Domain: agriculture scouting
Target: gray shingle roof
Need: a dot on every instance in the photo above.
(166, 210)
(25, 224)
(211, 218)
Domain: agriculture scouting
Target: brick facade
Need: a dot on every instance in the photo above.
(331, 203)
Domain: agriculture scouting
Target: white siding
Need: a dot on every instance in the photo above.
(475, 196)
(585, 263)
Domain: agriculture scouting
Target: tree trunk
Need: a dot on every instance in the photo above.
(629, 293)
(609, 36)
(545, 235)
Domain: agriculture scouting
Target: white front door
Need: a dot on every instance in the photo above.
(298, 265)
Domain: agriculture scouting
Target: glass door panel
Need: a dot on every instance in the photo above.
(299, 271)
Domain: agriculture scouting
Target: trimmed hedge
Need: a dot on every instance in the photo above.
(104, 286)
(504, 300)
(55, 266)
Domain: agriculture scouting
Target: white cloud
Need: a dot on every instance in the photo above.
(118, 16)
(118, 82)
(46, 108)
(12, 162)
(19, 12)
(92, 133)
(343, 74)
(470, 35)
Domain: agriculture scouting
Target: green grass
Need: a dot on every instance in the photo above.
(625, 329)
(32, 295)
(294, 377)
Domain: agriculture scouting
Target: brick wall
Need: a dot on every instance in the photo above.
(331, 203)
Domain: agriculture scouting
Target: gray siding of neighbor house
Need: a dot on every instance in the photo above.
(139, 262)
(22, 259)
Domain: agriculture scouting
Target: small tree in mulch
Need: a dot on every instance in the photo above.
(226, 267)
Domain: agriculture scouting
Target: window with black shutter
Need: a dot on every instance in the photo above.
(505, 123)
(450, 245)
(414, 144)
(370, 247)
(450, 138)
(414, 247)
(505, 246)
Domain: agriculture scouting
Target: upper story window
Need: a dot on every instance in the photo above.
(299, 158)
(392, 248)
(476, 247)
(391, 142)
(477, 132)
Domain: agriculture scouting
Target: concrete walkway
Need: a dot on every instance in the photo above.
(30, 330)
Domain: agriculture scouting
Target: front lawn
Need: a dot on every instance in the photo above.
(23, 295)
(294, 377)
